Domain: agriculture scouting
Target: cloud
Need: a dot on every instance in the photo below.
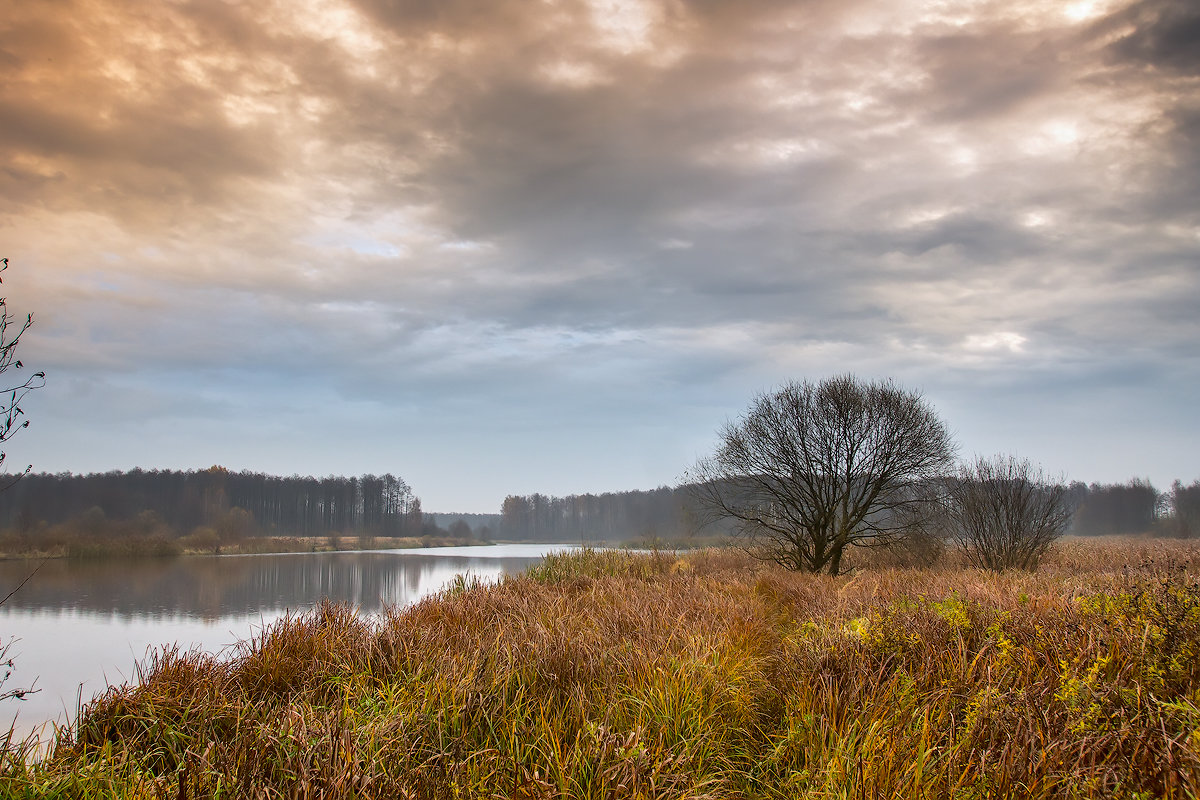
(1160, 34)
(457, 212)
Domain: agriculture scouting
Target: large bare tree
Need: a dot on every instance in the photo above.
(814, 468)
(1005, 513)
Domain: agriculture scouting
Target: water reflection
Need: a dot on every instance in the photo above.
(86, 624)
(211, 587)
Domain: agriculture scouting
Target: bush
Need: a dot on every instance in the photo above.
(1005, 514)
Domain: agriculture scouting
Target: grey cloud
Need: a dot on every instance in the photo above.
(448, 17)
(976, 239)
(440, 226)
(1175, 191)
(1166, 35)
(989, 72)
(1157, 53)
(197, 144)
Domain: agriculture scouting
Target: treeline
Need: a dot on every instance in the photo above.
(1185, 510)
(233, 504)
(481, 526)
(223, 506)
(614, 517)
(1135, 507)
(662, 514)
(1108, 509)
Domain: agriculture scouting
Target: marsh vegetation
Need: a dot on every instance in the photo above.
(608, 674)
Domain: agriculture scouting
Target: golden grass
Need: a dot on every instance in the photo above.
(610, 675)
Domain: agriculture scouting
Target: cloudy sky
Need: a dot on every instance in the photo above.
(506, 246)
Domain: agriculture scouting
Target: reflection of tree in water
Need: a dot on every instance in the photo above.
(210, 587)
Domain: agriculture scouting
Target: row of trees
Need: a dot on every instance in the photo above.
(244, 503)
(1135, 507)
(1184, 517)
(812, 470)
(658, 514)
(670, 514)
(236, 503)
(1103, 510)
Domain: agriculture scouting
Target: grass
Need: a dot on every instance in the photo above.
(612, 675)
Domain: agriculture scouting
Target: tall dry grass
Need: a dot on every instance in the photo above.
(610, 675)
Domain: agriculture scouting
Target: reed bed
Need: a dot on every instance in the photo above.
(612, 675)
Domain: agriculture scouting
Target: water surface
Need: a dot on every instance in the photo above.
(82, 625)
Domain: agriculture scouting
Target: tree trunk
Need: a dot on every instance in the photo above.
(835, 561)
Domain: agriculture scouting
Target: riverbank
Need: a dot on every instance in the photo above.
(158, 546)
(607, 674)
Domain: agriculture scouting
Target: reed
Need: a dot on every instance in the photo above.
(607, 675)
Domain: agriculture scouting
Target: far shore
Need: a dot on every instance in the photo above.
(257, 545)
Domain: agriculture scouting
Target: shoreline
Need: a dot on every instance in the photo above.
(259, 545)
(605, 673)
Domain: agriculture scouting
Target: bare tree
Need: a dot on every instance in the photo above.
(6, 662)
(10, 423)
(812, 469)
(11, 397)
(1005, 513)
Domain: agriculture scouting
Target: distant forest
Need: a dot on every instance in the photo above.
(614, 517)
(662, 514)
(234, 504)
(482, 526)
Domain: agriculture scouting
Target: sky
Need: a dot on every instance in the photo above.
(513, 246)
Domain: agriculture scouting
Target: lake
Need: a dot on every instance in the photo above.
(82, 625)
